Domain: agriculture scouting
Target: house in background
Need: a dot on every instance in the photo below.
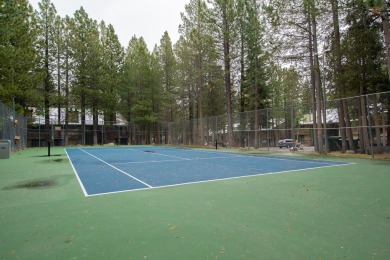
(73, 133)
(306, 129)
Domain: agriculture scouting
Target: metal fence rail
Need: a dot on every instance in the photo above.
(13, 127)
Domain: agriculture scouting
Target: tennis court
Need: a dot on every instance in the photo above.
(110, 170)
(264, 207)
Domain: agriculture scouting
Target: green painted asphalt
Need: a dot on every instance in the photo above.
(328, 213)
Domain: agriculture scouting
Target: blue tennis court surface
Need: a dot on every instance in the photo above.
(110, 170)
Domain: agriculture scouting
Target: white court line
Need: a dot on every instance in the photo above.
(77, 176)
(112, 166)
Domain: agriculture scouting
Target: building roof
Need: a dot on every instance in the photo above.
(332, 116)
(74, 117)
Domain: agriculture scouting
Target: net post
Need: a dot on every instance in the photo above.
(48, 148)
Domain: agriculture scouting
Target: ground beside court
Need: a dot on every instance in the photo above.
(339, 212)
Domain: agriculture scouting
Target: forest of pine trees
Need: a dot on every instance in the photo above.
(232, 56)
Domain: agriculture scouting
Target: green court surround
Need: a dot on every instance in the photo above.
(328, 213)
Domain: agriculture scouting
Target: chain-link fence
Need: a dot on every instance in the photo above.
(359, 124)
(356, 124)
(13, 127)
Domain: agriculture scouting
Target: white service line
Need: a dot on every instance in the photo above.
(112, 166)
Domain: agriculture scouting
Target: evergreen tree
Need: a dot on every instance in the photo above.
(18, 57)
(198, 61)
(87, 67)
(158, 95)
(111, 70)
(137, 90)
(167, 64)
(298, 34)
(195, 31)
(46, 21)
(58, 72)
(67, 75)
(223, 18)
(128, 81)
(253, 91)
(184, 78)
(362, 48)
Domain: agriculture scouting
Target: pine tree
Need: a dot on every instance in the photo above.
(58, 42)
(111, 70)
(252, 86)
(223, 17)
(362, 48)
(47, 49)
(298, 27)
(126, 85)
(167, 64)
(158, 95)
(198, 65)
(68, 99)
(18, 75)
(197, 34)
(137, 90)
(87, 67)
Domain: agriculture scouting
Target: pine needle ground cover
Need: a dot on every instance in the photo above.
(339, 212)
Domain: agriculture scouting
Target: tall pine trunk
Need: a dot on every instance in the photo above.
(66, 134)
(256, 89)
(386, 33)
(312, 85)
(83, 123)
(364, 140)
(337, 72)
(317, 84)
(227, 77)
(47, 87)
(348, 127)
(242, 89)
(59, 104)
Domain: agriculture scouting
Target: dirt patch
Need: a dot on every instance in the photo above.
(38, 184)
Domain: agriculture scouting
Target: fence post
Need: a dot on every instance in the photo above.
(247, 129)
(102, 141)
(267, 130)
(2, 120)
(369, 128)
(216, 129)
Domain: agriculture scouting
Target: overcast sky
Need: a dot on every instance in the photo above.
(146, 18)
